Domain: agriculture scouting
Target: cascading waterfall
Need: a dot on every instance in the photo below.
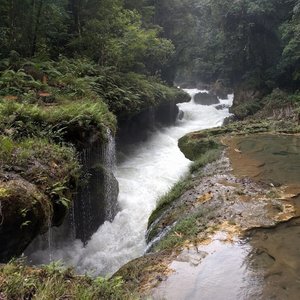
(96, 201)
(110, 189)
(147, 173)
(82, 205)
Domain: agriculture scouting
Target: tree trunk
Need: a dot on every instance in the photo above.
(75, 9)
(11, 23)
(37, 22)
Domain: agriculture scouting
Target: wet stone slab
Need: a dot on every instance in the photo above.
(254, 253)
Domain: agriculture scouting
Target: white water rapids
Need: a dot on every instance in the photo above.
(149, 172)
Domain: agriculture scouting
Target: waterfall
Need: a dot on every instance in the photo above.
(95, 203)
(110, 189)
(97, 197)
(148, 171)
(82, 205)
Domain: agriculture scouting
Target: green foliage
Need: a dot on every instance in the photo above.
(290, 61)
(57, 191)
(239, 41)
(57, 122)
(20, 152)
(104, 31)
(128, 94)
(206, 158)
(165, 201)
(187, 228)
(16, 83)
(18, 281)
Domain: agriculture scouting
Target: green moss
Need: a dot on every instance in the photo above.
(187, 228)
(4, 193)
(32, 120)
(165, 201)
(194, 147)
(206, 158)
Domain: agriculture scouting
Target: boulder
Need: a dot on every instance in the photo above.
(206, 99)
(222, 106)
(220, 90)
(25, 212)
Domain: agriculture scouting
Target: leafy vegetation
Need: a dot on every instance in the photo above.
(186, 229)
(57, 122)
(250, 41)
(165, 201)
(55, 282)
(37, 160)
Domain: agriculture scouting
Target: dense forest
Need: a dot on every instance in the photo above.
(75, 72)
(251, 41)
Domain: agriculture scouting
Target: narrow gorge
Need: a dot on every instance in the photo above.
(149, 149)
(148, 170)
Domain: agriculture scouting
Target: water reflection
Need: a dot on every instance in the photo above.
(276, 157)
(226, 272)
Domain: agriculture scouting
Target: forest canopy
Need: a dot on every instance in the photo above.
(253, 41)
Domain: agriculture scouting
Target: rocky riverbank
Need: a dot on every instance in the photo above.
(224, 200)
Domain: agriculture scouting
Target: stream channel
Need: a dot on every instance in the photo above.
(149, 170)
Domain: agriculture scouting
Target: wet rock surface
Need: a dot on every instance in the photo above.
(206, 99)
(238, 201)
(254, 234)
(24, 213)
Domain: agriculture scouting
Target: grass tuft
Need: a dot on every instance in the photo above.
(18, 281)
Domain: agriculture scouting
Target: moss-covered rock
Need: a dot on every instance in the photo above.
(206, 99)
(194, 145)
(247, 101)
(36, 183)
(25, 212)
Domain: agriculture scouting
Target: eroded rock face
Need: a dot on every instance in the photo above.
(220, 90)
(246, 101)
(206, 99)
(37, 179)
(137, 127)
(91, 206)
(24, 213)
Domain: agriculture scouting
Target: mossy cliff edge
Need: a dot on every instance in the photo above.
(49, 114)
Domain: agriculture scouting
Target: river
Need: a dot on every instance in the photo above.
(149, 171)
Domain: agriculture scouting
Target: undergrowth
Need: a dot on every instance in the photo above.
(18, 281)
(165, 201)
(53, 168)
(19, 120)
(186, 229)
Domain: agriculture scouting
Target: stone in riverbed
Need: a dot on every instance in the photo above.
(206, 99)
